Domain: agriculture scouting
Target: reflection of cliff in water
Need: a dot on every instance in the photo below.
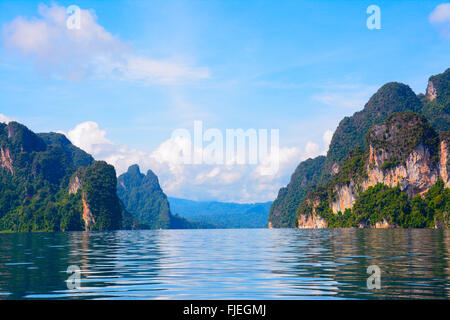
(32, 263)
(333, 262)
(110, 261)
(35, 265)
(227, 264)
(408, 259)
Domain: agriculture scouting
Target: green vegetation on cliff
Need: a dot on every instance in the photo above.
(436, 104)
(391, 98)
(283, 210)
(392, 142)
(380, 203)
(144, 199)
(400, 134)
(348, 151)
(98, 184)
(35, 172)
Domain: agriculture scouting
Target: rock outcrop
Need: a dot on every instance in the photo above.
(48, 184)
(431, 91)
(87, 216)
(397, 158)
(403, 152)
(283, 210)
(100, 204)
(6, 160)
(415, 169)
(311, 222)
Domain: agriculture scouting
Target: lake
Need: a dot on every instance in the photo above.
(227, 264)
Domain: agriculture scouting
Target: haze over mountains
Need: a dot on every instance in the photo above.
(222, 214)
(387, 166)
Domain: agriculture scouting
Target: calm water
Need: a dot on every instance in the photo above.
(226, 264)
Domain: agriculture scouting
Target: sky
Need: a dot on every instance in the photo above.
(136, 71)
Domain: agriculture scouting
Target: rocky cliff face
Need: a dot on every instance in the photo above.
(415, 171)
(87, 216)
(345, 197)
(431, 91)
(313, 220)
(100, 204)
(416, 176)
(6, 160)
(48, 184)
(404, 152)
(444, 163)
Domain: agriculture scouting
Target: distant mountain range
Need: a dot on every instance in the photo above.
(212, 214)
(143, 197)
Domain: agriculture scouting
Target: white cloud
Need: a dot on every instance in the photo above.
(240, 183)
(284, 159)
(440, 17)
(4, 119)
(312, 150)
(228, 182)
(441, 13)
(90, 138)
(90, 51)
(327, 136)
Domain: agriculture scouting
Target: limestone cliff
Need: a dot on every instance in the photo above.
(100, 204)
(402, 151)
(48, 184)
(312, 220)
(431, 91)
(414, 169)
(6, 160)
(87, 216)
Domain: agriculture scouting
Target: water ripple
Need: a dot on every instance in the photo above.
(226, 264)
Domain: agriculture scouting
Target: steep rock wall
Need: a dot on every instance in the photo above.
(416, 176)
(88, 218)
(312, 221)
(6, 160)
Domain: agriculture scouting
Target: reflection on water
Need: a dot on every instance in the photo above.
(226, 264)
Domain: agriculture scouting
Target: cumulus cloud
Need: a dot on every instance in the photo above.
(440, 17)
(327, 136)
(90, 138)
(88, 51)
(223, 182)
(313, 149)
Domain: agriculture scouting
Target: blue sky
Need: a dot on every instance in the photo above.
(297, 66)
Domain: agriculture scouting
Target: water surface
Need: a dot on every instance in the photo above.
(226, 264)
